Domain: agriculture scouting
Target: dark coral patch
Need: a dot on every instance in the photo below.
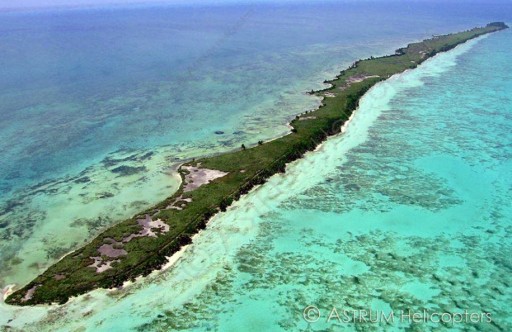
(128, 170)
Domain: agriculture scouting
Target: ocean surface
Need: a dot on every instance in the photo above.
(409, 209)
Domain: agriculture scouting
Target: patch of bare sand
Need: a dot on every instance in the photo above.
(356, 79)
(198, 176)
(114, 249)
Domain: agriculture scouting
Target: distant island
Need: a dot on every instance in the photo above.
(142, 244)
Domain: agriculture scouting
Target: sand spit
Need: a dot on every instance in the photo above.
(193, 179)
(7, 290)
(198, 176)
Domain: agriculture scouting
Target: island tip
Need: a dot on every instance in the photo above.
(500, 25)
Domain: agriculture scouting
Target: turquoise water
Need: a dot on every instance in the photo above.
(409, 209)
(98, 106)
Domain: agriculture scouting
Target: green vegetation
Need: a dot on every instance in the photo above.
(246, 167)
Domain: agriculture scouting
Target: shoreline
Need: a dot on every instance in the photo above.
(245, 169)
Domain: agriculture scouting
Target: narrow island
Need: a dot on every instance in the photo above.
(143, 243)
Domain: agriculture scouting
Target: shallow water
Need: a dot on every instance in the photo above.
(408, 210)
(96, 106)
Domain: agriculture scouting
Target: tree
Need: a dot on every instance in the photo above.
(243, 147)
